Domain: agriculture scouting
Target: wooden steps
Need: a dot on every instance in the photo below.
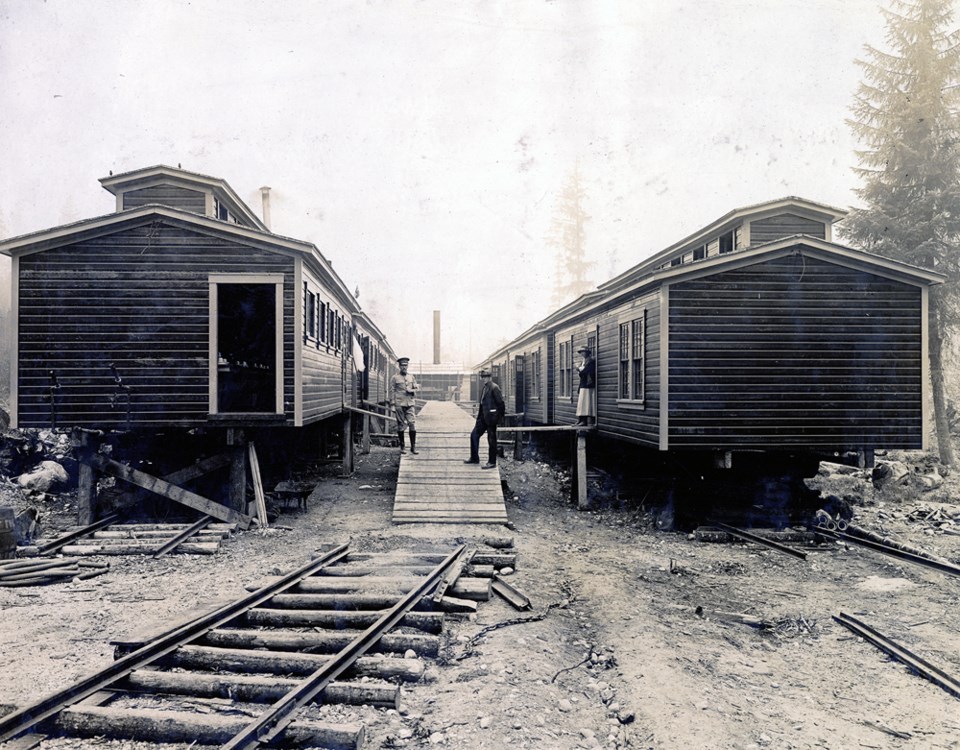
(435, 486)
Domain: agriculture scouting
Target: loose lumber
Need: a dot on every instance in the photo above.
(319, 643)
(205, 729)
(280, 662)
(170, 491)
(56, 544)
(257, 689)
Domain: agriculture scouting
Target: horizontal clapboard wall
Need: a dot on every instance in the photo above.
(785, 225)
(185, 199)
(795, 353)
(138, 299)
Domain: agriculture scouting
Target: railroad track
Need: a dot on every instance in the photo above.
(252, 672)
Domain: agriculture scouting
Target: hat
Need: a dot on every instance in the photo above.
(584, 349)
(484, 373)
(403, 360)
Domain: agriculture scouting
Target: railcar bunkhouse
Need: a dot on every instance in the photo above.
(183, 310)
(757, 333)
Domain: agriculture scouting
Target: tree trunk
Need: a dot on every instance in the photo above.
(937, 338)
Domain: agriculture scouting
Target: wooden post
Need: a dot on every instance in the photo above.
(580, 471)
(237, 493)
(347, 438)
(87, 482)
(518, 446)
(260, 502)
(366, 434)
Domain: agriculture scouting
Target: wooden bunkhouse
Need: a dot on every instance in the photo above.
(183, 310)
(758, 333)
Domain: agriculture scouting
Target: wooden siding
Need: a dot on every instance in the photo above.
(535, 399)
(185, 199)
(631, 421)
(549, 356)
(795, 353)
(138, 298)
(785, 225)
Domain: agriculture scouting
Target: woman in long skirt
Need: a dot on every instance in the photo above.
(587, 400)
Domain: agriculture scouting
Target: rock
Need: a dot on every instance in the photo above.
(930, 481)
(485, 722)
(508, 571)
(409, 654)
(437, 737)
(888, 472)
(46, 476)
(565, 706)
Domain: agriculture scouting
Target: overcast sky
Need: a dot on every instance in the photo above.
(422, 144)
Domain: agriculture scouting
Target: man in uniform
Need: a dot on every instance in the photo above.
(405, 387)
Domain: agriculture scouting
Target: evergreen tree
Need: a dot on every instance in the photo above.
(905, 116)
(568, 237)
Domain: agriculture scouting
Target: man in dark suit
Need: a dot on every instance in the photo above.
(489, 415)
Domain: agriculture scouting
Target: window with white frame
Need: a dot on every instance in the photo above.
(535, 375)
(631, 360)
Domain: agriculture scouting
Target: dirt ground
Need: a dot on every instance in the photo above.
(613, 654)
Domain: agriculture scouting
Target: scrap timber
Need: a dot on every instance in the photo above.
(435, 486)
(296, 640)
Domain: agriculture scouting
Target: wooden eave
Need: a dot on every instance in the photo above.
(164, 175)
(726, 223)
(48, 239)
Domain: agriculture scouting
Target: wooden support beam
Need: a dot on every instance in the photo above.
(201, 467)
(237, 492)
(87, 481)
(259, 499)
(579, 483)
(346, 436)
(365, 440)
(170, 491)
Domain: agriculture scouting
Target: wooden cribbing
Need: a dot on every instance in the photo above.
(319, 643)
(357, 601)
(279, 662)
(170, 491)
(257, 689)
(205, 729)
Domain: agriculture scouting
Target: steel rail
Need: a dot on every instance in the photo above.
(759, 540)
(24, 719)
(917, 664)
(183, 536)
(54, 544)
(266, 728)
(892, 551)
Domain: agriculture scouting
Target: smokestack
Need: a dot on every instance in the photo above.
(436, 337)
(265, 198)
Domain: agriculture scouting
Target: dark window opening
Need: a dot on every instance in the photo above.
(726, 243)
(246, 342)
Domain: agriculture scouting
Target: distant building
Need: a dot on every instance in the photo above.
(447, 381)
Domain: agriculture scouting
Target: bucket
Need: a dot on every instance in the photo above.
(8, 534)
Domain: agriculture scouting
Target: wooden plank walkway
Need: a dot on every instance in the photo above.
(435, 486)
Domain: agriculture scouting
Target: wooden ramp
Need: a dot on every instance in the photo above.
(436, 486)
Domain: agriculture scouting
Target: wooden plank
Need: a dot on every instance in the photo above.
(259, 498)
(170, 491)
(204, 466)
